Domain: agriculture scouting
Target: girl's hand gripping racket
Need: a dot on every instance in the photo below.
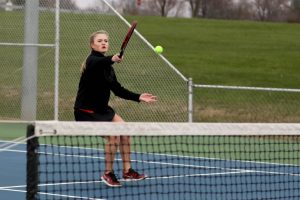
(127, 38)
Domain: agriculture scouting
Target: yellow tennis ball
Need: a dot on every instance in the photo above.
(158, 49)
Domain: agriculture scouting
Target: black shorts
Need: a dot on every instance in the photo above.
(106, 116)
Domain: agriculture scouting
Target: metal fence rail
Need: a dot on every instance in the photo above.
(242, 103)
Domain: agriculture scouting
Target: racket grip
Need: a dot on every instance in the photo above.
(121, 54)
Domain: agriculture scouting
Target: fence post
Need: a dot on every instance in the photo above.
(56, 79)
(30, 61)
(190, 100)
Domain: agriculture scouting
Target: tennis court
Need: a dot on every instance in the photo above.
(171, 176)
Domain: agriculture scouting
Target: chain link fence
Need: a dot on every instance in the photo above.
(12, 52)
(212, 103)
(141, 71)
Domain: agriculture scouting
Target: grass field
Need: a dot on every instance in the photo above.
(225, 52)
(228, 52)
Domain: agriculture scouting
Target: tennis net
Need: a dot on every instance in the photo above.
(182, 160)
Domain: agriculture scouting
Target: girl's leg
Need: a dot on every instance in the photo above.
(124, 146)
(111, 148)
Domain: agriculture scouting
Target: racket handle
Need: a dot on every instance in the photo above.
(121, 53)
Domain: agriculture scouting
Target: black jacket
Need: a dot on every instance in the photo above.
(96, 82)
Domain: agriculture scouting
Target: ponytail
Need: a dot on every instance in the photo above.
(83, 66)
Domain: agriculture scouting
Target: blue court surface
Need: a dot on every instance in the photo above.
(170, 177)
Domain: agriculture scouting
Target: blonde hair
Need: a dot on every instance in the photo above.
(91, 40)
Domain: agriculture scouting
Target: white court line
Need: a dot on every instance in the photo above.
(195, 175)
(148, 178)
(157, 177)
(8, 188)
(149, 162)
(9, 145)
(15, 150)
(175, 164)
(12, 186)
(51, 194)
(68, 196)
(166, 163)
(180, 156)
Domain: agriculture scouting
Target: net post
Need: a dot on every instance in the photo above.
(190, 100)
(32, 179)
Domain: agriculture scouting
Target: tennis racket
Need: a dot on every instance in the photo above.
(127, 38)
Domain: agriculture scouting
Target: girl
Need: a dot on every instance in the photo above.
(97, 80)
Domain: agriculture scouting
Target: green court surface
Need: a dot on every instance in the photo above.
(10, 131)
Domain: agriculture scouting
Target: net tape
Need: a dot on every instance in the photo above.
(46, 128)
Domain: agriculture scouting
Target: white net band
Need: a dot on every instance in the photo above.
(46, 128)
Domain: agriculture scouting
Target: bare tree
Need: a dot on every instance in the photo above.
(181, 9)
(163, 6)
(296, 6)
(271, 10)
(211, 8)
(204, 8)
(216, 8)
(195, 7)
(18, 2)
(263, 7)
(243, 9)
(129, 8)
(294, 15)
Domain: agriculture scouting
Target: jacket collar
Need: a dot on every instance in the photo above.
(96, 53)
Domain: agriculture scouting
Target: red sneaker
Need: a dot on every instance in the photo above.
(110, 179)
(132, 175)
